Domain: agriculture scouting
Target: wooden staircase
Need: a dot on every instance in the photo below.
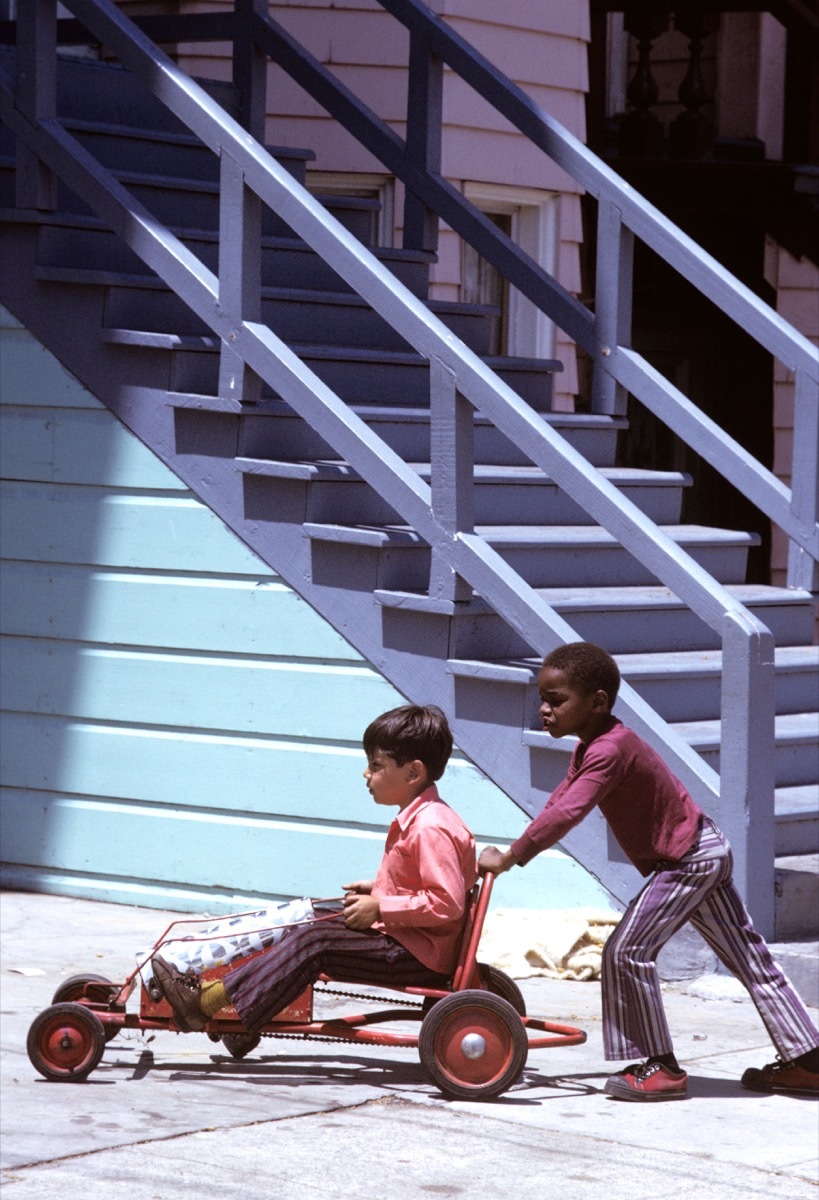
(334, 537)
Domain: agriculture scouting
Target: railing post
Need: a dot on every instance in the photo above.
(240, 275)
(747, 772)
(803, 570)
(452, 459)
(423, 141)
(36, 186)
(250, 68)
(612, 305)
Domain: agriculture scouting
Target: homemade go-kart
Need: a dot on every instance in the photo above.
(473, 1041)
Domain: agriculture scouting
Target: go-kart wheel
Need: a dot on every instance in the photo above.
(76, 987)
(500, 984)
(79, 987)
(66, 1042)
(238, 1045)
(473, 1045)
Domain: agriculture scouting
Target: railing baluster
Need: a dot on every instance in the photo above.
(250, 68)
(612, 305)
(36, 97)
(803, 570)
(240, 276)
(747, 750)
(452, 459)
(423, 142)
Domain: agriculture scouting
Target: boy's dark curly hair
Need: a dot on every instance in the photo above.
(410, 732)
(588, 667)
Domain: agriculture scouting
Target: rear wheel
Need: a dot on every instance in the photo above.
(500, 984)
(66, 1042)
(88, 987)
(239, 1045)
(473, 1045)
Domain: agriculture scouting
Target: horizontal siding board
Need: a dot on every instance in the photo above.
(23, 360)
(99, 527)
(190, 691)
(312, 781)
(198, 857)
(78, 446)
(244, 616)
(231, 852)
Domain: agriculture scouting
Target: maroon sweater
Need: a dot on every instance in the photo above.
(647, 808)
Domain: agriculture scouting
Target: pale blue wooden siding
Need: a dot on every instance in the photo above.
(179, 728)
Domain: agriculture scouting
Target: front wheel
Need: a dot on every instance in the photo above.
(89, 987)
(473, 1045)
(66, 1042)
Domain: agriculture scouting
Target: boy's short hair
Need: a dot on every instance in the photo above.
(410, 732)
(588, 667)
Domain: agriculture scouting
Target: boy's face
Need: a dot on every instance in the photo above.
(390, 784)
(566, 709)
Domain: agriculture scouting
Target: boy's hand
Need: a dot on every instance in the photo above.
(363, 886)
(497, 861)
(360, 911)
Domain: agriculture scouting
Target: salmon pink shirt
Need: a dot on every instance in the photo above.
(425, 875)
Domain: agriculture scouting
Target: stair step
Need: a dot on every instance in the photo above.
(517, 494)
(579, 555)
(131, 148)
(797, 741)
(682, 685)
(141, 301)
(355, 374)
(624, 619)
(84, 242)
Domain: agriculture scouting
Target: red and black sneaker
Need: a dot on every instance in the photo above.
(650, 1081)
(782, 1076)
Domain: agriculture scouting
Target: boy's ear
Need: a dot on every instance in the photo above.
(600, 702)
(416, 770)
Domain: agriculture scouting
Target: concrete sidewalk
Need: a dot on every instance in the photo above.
(173, 1116)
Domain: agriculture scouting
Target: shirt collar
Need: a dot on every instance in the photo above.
(403, 818)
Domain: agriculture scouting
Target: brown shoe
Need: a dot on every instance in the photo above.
(182, 993)
(782, 1077)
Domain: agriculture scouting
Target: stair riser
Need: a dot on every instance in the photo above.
(357, 381)
(290, 439)
(351, 503)
(680, 699)
(122, 150)
(406, 568)
(282, 265)
(342, 322)
(793, 764)
(797, 904)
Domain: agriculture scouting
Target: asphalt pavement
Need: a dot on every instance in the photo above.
(171, 1116)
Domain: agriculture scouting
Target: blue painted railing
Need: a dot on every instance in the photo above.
(229, 302)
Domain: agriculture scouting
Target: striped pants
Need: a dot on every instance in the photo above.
(267, 984)
(697, 888)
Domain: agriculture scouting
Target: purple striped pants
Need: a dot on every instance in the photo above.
(697, 888)
(267, 984)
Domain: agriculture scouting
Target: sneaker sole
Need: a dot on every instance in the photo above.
(624, 1092)
(779, 1091)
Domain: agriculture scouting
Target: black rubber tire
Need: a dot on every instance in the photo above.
(500, 984)
(498, 1052)
(66, 1042)
(239, 1045)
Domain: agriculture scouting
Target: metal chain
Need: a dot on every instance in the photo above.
(325, 991)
